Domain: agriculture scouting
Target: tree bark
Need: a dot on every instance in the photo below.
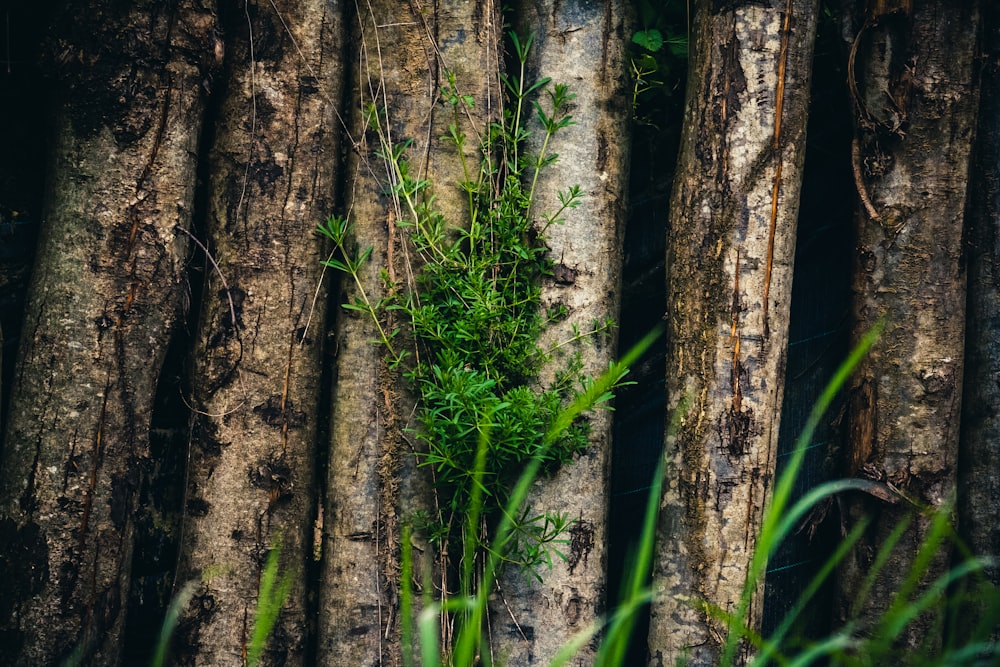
(730, 250)
(256, 383)
(915, 105)
(979, 453)
(106, 293)
(580, 44)
(402, 57)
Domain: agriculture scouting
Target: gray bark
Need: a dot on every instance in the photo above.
(106, 294)
(580, 44)
(916, 116)
(729, 262)
(251, 472)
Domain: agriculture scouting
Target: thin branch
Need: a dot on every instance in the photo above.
(208, 255)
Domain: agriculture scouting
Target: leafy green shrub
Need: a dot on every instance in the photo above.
(470, 322)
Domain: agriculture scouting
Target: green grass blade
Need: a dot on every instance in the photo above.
(406, 595)
(824, 649)
(573, 646)
(271, 597)
(469, 638)
(899, 616)
(430, 651)
(769, 538)
(177, 606)
(902, 609)
(881, 558)
(615, 645)
(771, 645)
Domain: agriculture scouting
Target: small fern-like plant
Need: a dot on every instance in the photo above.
(471, 322)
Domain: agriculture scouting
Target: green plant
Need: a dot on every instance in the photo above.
(473, 606)
(464, 332)
(657, 55)
(847, 645)
(635, 594)
(854, 644)
(173, 615)
(272, 594)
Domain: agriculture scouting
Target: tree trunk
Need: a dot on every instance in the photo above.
(729, 264)
(251, 479)
(106, 294)
(580, 44)
(372, 481)
(915, 104)
(979, 454)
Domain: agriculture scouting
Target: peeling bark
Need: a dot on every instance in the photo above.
(580, 44)
(915, 103)
(730, 251)
(106, 294)
(400, 62)
(251, 473)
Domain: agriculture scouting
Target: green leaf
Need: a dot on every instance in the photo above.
(645, 64)
(541, 83)
(513, 85)
(363, 257)
(361, 308)
(650, 39)
(335, 263)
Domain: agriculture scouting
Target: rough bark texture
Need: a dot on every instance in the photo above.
(916, 110)
(106, 293)
(979, 455)
(251, 475)
(730, 250)
(400, 56)
(580, 44)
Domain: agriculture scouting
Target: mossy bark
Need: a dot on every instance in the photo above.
(106, 294)
(257, 361)
(915, 104)
(729, 263)
(582, 45)
(400, 59)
